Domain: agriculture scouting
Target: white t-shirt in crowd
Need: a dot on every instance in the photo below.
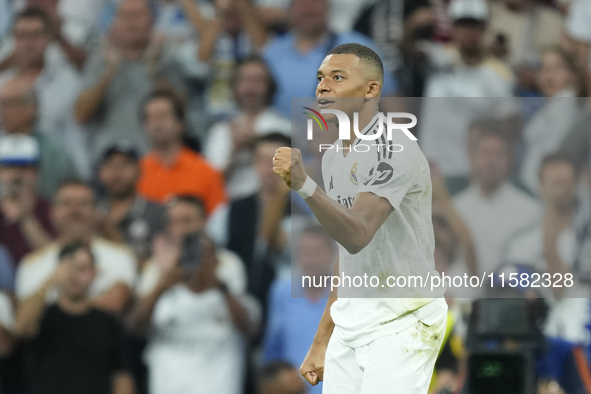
(544, 133)
(230, 270)
(457, 95)
(577, 21)
(194, 347)
(494, 220)
(116, 263)
(219, 150)
(403, 245)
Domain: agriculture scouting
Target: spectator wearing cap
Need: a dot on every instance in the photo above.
(73, 347)
(281, 377)
(25, 223)
(56, 83)
(229, 146)
(295, 56)
(125, 216)
(74, 215)
(170, 168)
(527, 27)
(462, 69)
(493, 209)
(18, 114)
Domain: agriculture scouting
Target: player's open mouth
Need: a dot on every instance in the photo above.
(323, 103)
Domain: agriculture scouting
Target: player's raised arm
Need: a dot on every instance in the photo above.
(352, 228)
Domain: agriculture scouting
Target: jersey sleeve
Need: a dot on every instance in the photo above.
(388, 173)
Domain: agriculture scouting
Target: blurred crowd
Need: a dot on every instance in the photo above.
(146, 246)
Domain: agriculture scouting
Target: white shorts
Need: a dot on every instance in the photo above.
(397, 363)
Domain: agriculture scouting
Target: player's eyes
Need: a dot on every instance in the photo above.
(320, 79)
(338, 77)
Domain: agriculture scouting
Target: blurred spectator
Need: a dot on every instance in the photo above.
(74, 347)
(131, 64)
(341, 19)
(74, 216)
(554, 245)
(558, 81)
(229, 147)
(453, 241)
(462, 69)
(281, 377)
(492, 208)
(6, 271)
(294, 57)
(185, 216)
(233, 33)
(124, 215)
(294, 318)
(527, 27)
(551, 246)
(170, 168)
(25, 223)
(18, 111)
(198, 327)
(254, 227)
(579, 29)
(6, 323)
(57, 85)
(67, 45)
(5, 18)
(387, 23)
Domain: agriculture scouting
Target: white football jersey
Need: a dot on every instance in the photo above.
(398, 171)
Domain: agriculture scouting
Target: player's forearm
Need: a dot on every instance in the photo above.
(326, 325)
(347, 227)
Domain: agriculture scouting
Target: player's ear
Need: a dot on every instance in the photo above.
(373, 89)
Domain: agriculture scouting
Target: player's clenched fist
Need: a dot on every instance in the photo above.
(312, 368)
(288, 164)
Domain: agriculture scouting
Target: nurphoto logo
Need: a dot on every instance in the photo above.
(385, 121)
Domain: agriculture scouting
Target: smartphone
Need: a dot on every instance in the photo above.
(191, 253)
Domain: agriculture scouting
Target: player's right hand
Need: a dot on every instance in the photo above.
(312, 368)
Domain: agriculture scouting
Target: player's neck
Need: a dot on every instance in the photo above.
(365, 117)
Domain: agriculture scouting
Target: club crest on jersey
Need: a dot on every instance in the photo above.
(379, 175)
(354, 174)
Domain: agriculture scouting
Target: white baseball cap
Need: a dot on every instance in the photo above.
(18, 150)
(468, 9)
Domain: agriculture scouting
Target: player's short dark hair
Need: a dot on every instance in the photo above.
(271, 371)
(364, 53)
(34, 13)
(68, 250)
(188, 199)
(178, 105)
(273, 138)
(557, 157)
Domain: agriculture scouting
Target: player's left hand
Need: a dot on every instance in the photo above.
(288, 164)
